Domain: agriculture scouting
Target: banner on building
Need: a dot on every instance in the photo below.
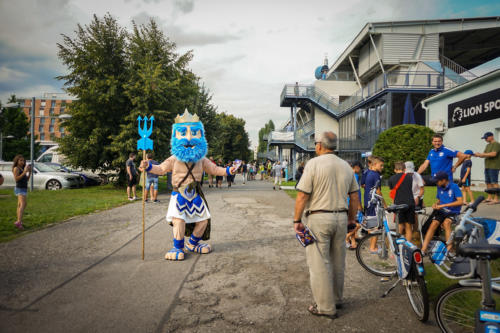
(475, 109)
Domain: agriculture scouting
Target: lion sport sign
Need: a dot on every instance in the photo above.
(475, 109)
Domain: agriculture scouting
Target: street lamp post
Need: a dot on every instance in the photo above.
(32, 141)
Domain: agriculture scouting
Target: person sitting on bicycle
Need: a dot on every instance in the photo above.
(445, 209)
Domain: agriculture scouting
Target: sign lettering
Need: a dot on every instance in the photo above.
(474, 109)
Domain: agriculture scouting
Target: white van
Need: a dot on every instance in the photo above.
(51, 155)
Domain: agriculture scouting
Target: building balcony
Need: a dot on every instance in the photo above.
(421, 81)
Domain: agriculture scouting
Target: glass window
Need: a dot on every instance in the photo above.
(61, 129)
(52, 121)
(42, 120)
(383, 117)
(51, 129)
(41, 113)
(378, 116)
(52, 103)
(372, 118)
(42, 136)
(40, 128)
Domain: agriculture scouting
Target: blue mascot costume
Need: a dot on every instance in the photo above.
(188, 210)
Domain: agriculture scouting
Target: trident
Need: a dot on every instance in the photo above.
(144, 143)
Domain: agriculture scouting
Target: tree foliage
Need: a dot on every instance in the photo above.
(231, 141)
(263, 132)
(403, 143)
(14, 126)
(117, 76)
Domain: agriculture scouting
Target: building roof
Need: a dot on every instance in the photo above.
(480, 80)
(463, 30)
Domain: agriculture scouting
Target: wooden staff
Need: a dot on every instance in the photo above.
(143, 201)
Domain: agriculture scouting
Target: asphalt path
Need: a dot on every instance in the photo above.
(86, 274)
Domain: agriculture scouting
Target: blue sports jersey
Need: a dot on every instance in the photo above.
(449, 194)
(370, 180)
(441, 160)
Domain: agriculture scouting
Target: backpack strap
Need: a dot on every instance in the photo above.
(189, 172)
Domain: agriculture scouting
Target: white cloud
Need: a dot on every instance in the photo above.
(8, 75)
(245, 51)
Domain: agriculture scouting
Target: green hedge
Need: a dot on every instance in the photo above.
(403, 143)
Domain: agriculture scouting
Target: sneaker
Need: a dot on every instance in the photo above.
(19, 225)
(156, 201)
(130, 199)
(134, 198)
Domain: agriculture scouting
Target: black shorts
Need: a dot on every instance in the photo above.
(131, 182)
(407, 216)
(440, 216)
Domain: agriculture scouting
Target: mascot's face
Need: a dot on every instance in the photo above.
(188, 142)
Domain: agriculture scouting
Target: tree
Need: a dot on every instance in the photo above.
(119, 76)
(232, 140)
(159, 84)
(14, 123)
(97, 63)
(268, 128)
(403, 143)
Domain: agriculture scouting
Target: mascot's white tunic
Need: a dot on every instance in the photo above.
(188, 210)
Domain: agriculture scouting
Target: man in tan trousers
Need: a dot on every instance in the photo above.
(323, 192)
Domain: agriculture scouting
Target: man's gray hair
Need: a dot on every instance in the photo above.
(328, 140)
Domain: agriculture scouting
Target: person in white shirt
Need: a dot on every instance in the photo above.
(277, 175)
(418, 184)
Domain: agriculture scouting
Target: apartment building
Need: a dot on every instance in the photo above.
(48, 109)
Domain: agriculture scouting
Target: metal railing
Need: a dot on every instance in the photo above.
(456, 68)
(394, 80)
(313, 94)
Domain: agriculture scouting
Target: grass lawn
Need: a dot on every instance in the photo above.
(47, 207)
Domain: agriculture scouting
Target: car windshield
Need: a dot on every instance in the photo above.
(44, 167)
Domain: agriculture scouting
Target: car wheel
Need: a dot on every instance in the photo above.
(53, 185)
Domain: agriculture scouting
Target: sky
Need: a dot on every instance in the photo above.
(244, 51)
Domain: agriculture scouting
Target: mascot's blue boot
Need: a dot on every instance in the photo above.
(177, 252)
(194, 245)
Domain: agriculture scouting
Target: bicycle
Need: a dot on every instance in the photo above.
(471, 305)
(395, 257)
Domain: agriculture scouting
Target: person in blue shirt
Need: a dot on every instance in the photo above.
(446, 208)
(440, 158)
(465, 178)
(372, 177)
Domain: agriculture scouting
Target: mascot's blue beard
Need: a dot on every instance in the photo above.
(189, 154)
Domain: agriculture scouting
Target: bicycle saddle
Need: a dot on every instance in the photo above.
(494, 190)
(479, 250)
(396, 208)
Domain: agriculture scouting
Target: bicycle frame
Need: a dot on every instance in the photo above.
(476, 235)
(403, 250)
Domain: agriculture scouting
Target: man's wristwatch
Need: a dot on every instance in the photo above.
(297, 221)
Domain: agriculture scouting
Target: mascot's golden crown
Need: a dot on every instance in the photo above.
(187, 118)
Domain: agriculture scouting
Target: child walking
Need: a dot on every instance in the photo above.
(465, 172)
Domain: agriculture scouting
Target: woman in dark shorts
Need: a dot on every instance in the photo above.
(21, 173)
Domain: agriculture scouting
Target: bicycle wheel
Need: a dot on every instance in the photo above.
(417, 294)
(456, 308)
(376, 263)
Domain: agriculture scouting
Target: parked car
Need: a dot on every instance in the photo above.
(89, 179)
(52, 155)
(45, 177)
